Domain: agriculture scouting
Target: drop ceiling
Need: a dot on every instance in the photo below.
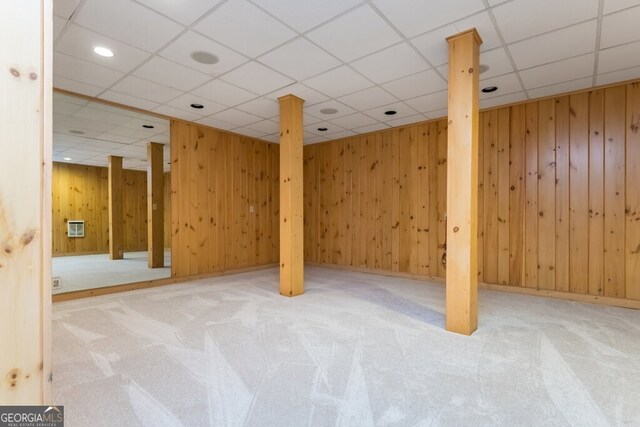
(359, 57)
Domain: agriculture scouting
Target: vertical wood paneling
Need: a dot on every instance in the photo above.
(442, 194)
(579, 193)
(516, 195)
(503, 181)
(614, 191)
(490, 147)
(531, 196)
(562, 194)
(632, 231)
(596, 192)
(546, 195)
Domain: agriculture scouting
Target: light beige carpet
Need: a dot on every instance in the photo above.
(354, 350)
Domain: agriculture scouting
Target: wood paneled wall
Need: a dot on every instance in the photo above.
(80, 193)
(559, 196)
(224, 197)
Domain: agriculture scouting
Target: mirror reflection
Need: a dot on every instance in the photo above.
(87, 191)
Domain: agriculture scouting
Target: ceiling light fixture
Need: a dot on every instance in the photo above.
(206, 58)
(390, 113)
(76, 132)
(329, 111)
(148, 126)
(67, 159)
(197, 106)
(323, 129)
(103, 51)
(489, 89)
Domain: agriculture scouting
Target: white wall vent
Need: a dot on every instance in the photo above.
(75, 229)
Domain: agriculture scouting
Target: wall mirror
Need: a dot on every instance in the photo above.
(85, 135)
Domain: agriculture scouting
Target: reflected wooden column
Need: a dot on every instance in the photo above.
(155, 205)
(291, 205)
(116, 219)
(462, 183)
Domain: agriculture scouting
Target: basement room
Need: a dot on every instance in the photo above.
(320, 212)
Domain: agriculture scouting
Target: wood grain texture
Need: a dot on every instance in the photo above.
(115, 205)
(217, 215)
(155, 205)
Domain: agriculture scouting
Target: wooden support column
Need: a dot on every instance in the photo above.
(291, 205)
(116, 219)
(462, 183)
(25, 202)
(155, 205)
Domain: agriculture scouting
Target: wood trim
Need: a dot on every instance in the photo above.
(107, 290)
(583, 298)
(116, 217)
(155, 205)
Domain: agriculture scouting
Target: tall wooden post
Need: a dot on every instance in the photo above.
(462, 183)
(116, 220)
(291, 206)
(25, 202)
(155, 205)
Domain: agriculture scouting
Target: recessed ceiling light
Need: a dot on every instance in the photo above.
(490, 89)
(197, 106)
(76, 132)
(103, 51)
(148, 126)
(67, 158)
(206, 58)
(390, 113)
(329, 111)
(323, 129)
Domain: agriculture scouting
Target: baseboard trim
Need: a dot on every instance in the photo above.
(567, 296)
(107, 290)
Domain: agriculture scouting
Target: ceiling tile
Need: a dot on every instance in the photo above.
(74, 86)
(183, 11)
(138, 122)
(265, 126)
(401, 109)
(144, 89)
(414, 17)
(503, 100)
(558, 72)
(79, 43)
(176, 113)
(368, 99)
(315, 140)
(224, 93)
(310, 96)
(184, 103)
(426, 103)
(215, 123)
(343, 110)
(248, 132)
(497, 61)
(64, 108)
(180, 51)
(338, 82)
(302, 15)
(313, 129)
(561, 88)
(299, 59)
(356, 34)
(415, 85)
(617, 28)
(272, 138)
(84, 72)
(245, 28)
(170, 74)
(102, 116)
(309, 119)
(237, 117)
(58, 26)
(132, 101)
(618, 76)
(576, 40)
(506, 84)
(619, 57)
(352, 121)
(65, 8)
(372, 128)
(484, 25)
(391, 63)
(433, 45)
(515, 18)
(417, 118)
(341, 134)
(121, 20)
(262, 107)
(246, 77)
(616, 5)
(437, 114)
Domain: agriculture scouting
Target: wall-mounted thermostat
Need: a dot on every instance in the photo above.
(75, 229)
